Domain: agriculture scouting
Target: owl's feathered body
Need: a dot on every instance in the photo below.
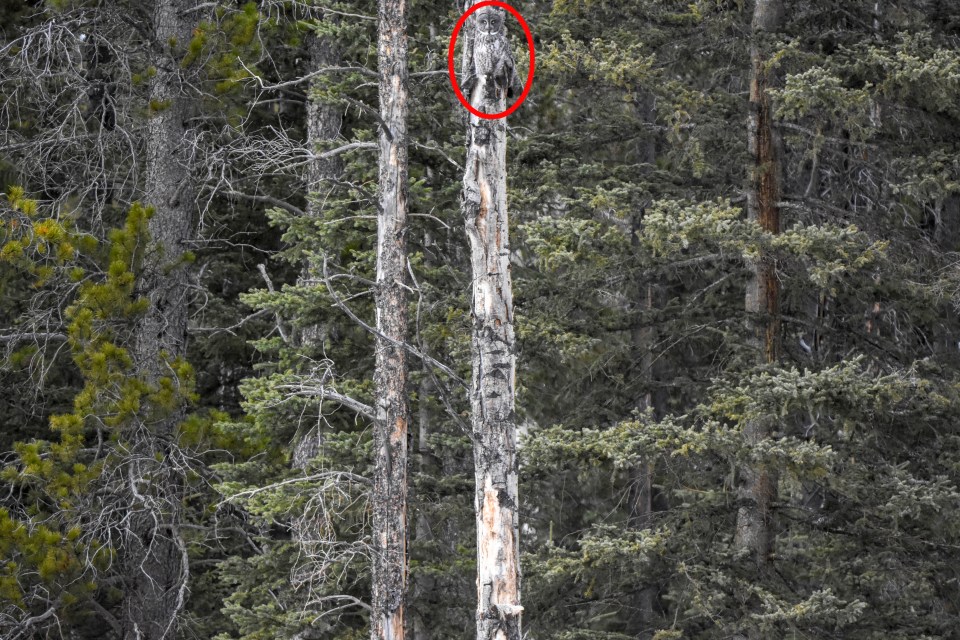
(493, 60)
(491, 54)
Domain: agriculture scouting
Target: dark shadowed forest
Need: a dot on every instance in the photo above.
(302, 338)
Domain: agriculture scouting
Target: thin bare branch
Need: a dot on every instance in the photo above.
(325, 393)
(338, 302)
(304, 78)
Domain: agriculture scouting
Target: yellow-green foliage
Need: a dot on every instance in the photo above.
(610, 62)
(43, 247)
(44, 541)
(159, 105)
(34, 551)
(112, 391)
(219, 47)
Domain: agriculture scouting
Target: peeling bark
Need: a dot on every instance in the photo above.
(493, 384)
(758, 483)
(392, 405)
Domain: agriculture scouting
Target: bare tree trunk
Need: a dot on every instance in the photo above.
(154, 553)
(493, 385)
(392, 404)
(426, 468)
(323, 125)
(758, 484)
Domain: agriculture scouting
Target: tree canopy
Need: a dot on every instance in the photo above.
(190, 319)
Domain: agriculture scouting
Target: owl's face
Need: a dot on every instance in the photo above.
(489, 21)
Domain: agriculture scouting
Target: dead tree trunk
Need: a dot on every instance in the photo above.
(154, 553)
(392, 405)
(758, 483)
(492, 386)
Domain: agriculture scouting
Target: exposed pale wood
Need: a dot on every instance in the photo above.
(389, 497)
(492, 388)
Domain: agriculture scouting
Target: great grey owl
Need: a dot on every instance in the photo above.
(493, 61)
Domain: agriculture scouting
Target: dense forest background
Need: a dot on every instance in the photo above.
(187, 254)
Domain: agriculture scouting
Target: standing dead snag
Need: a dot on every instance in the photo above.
(758, 486)
(488, 72)
(389, 498)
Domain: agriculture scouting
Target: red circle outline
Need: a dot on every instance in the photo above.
(452, 72)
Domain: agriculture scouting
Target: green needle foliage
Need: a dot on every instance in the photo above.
(63, 529)
(637, 363)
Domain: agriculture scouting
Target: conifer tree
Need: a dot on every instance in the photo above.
(647, 395)
(154, 552)
(79, 497)
(755, 527)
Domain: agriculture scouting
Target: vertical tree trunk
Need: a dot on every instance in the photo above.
(154, 553)
(323, 122)
(647, 297)
(170, 190)
(392, 406)
(758, 486)
(644, 338)
(641, 498)
(492, 387)
(323, 125)
(426, 468)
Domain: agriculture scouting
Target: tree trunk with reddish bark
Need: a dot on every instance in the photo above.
(758, 482)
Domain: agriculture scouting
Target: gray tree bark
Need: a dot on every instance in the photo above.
(323, 122)
(758, 483)
(154, 553)
(323, 125)
(641, 498)
(644, 337)
(389, 497)
(492, 388)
